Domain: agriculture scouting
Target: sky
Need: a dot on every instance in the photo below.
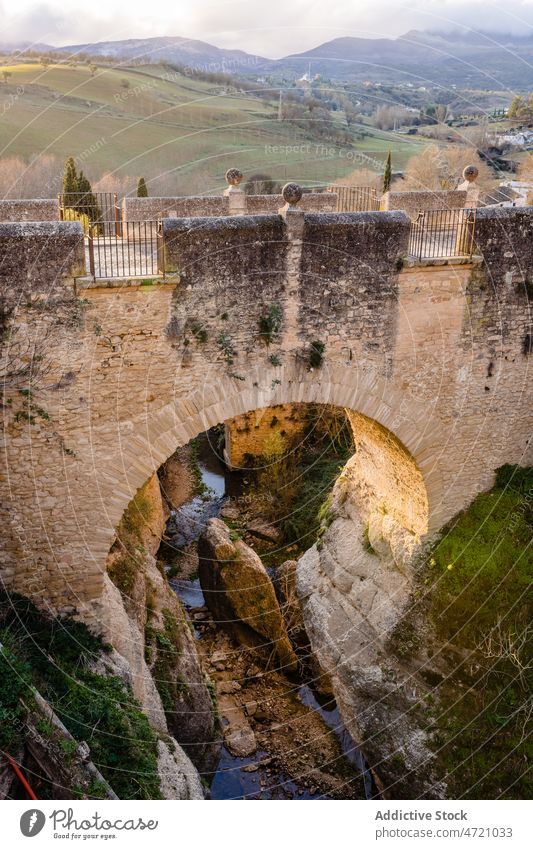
(271, 29)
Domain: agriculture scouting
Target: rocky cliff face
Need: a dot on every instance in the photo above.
(354, 586)
(148, 628)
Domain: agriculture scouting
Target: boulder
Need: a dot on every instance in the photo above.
(240, 594)
(285, 586)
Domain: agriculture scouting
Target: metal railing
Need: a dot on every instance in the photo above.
(135, 250)
(355, 198)
(98, 210)
(442, 233)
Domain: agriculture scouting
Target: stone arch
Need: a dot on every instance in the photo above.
(375, 404)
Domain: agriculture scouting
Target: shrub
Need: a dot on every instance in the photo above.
(270, 323)
(316, 354)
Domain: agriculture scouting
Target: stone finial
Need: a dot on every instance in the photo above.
(470, 173)
(292, 193)
(469, 185)
(234, 176)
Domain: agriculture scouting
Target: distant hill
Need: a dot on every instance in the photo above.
(183, 51)
(464, 58)
(14, 46)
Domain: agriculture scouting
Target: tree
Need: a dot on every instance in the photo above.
(70, 183)
(86, 203)
(261, 184)
(387, 176)
(350, 114)
(142, 190)
(6, 75)
(441, 112)
(45, 61)
(391, 117)
(519, 110)
(93, 69)
(438, 169)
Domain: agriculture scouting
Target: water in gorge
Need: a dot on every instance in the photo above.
(303, 750)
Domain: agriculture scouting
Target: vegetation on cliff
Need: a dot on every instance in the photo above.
(301, 472)
(477, 588)
(55, 656)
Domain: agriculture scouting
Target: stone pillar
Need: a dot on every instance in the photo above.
(470, 175)
(294, 220)
(235, 195)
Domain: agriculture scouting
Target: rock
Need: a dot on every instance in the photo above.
(240, 594)
(171, 686)
(218, 657)
(285, 586)
(226, 687)
(241, 742)
(262, 530)
(250, 768)
(176, 480)
(230, 511)
(250, 708)
(177, 775)
(239, 738)
(352, 598)
(179, 676)
(261, 715)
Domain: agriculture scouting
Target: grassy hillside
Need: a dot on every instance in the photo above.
(475, 593)
(153, 121)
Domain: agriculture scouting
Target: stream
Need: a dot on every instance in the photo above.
(249, 777)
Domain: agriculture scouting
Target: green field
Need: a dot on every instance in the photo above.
(155, 122)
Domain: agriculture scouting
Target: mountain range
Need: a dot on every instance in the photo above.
(467, 59)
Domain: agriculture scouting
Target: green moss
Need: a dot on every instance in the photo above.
(54, 656)
(123, 569)
(479, 578)
(167, 643)
(15, 684)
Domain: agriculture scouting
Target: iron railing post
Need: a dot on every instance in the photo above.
(118, 222)
(90, 241)
(160, 248)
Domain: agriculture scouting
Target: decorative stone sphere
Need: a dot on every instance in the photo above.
(234, 176)
(292, 193)
(470, 173)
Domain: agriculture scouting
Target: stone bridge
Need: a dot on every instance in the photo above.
(104, 380)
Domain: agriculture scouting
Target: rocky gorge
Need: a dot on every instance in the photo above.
(270, 639)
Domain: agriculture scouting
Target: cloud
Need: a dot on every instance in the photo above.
(271, 29)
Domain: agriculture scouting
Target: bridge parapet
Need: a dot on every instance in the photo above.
(29, 209)
(38, 257)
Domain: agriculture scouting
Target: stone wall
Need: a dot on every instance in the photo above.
(310, 202)
(413, 202)
(29, 209)
(40, 257)
(245, 435)
(153, 209)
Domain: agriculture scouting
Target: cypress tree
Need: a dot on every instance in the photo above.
(86, 202)
(142, 190)
(70, 183)
(387, 176)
